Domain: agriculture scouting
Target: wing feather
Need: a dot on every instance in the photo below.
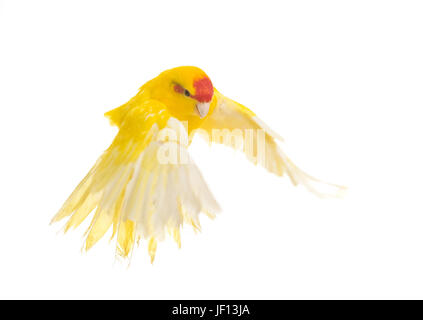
(259, 143)
(133, 190)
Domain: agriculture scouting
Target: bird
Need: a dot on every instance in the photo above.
(145, 186)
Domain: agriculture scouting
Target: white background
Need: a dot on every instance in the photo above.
(341, 81)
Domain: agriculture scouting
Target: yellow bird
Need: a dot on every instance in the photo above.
(145, 184)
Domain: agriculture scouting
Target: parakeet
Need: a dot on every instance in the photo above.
(145, 185)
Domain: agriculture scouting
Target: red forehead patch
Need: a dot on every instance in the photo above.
(203, 90)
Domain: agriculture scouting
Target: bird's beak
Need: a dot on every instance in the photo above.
(203, 108)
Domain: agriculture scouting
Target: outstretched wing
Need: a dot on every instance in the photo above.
(235, 125)
(143, 185)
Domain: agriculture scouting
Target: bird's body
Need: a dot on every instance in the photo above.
(145, 184)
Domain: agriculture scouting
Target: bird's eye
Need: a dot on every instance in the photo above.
(186, 93)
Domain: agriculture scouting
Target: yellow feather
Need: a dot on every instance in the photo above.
(152, 247)
(142, 198)
(126, 238)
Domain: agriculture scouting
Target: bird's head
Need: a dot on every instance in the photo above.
(186, 91)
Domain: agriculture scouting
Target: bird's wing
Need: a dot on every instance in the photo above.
(143, 185)
(235, 125)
